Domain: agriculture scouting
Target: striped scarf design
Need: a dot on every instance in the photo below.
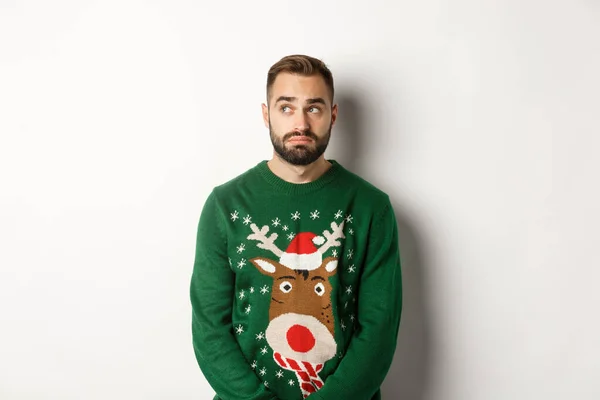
(307, 373)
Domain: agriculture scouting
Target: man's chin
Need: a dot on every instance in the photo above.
(297, 158)
(300, 145)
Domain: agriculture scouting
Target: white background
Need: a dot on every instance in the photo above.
(479, 118)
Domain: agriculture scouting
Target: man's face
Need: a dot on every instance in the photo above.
(299, 116)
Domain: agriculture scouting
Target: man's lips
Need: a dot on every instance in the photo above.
(300, 140)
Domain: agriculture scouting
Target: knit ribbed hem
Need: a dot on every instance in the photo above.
(284, 187)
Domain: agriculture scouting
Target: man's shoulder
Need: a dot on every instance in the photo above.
(366, 189)
(236, 182)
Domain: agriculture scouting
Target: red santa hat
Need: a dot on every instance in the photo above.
(302, 252)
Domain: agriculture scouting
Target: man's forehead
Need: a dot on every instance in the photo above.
(299, 88)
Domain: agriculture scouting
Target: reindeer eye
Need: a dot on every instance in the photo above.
(285, 287)
(319, 289)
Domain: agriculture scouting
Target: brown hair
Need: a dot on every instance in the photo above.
(301, 65)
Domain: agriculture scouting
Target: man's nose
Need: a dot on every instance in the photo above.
(301, 122)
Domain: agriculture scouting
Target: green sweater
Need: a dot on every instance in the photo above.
(296, 290)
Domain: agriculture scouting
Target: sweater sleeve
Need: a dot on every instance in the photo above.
(211, 292)
(369, 355)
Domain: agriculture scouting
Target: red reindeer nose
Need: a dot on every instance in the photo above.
(300, 338)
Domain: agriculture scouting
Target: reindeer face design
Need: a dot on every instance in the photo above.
(301, 325)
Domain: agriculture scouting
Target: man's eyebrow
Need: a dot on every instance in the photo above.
(285, 98)
(316, 100)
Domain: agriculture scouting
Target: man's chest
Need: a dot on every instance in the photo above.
(295, 235)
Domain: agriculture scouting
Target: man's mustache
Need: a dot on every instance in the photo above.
(309, 134)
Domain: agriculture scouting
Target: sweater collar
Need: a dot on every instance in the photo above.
(281, 186)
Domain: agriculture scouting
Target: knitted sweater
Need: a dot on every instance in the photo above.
(296, 288)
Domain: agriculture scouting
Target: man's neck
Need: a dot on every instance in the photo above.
(298, 173)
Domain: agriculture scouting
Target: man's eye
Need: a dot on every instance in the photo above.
(314, 110)
(286, 108)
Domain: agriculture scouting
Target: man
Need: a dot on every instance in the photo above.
(296, 289)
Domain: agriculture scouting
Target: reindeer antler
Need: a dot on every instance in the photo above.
(332, 238)
(267, 243)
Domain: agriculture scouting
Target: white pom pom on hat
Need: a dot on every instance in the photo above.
(318, 240)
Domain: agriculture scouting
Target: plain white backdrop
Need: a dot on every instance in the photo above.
(481, 119)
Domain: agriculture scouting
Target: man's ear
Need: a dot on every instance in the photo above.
(334, 112)
(265, 114)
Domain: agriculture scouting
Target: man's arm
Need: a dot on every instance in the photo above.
(211, 292)
(370, 353)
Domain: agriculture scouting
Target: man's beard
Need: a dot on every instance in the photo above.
(300, 154)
